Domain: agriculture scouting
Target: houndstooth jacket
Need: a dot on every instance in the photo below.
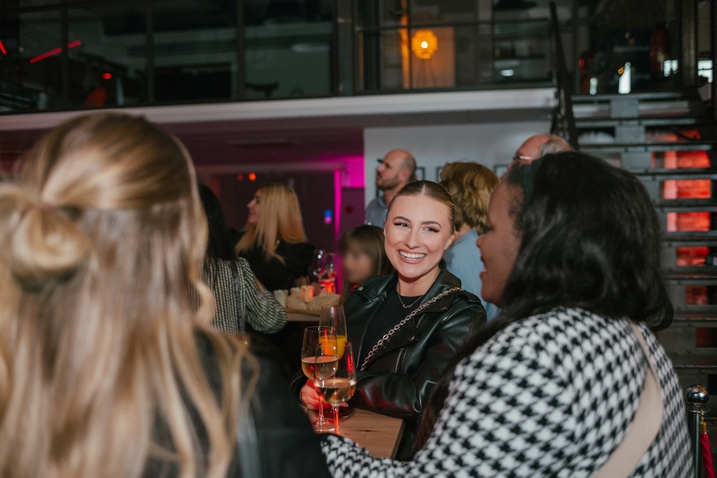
(262, 312)
(550, 395)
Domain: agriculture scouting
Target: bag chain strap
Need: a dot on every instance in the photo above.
(403, 322)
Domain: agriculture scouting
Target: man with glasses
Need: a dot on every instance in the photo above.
(538, 146)
(395, 170)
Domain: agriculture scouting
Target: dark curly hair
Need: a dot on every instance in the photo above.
(590, 238)
(220, 244)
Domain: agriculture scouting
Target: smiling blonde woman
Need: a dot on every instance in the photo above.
(406, 327)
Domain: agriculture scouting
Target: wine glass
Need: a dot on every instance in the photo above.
(333, 316)
(319, 357)
(318, 267)
(341, 386)
(330, 272)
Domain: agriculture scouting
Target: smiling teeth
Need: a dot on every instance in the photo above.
(411, 256)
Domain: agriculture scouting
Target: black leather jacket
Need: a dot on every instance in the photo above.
(398, 378)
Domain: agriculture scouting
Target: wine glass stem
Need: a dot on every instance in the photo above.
(321, 408)
(336, 419)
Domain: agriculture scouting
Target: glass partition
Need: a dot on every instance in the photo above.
(108, 68)
(73, 54)
(288, 48)
(195, 51)
(31, 63)
(455, 44)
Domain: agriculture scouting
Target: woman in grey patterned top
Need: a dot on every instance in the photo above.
(236, 291)
(550, 387)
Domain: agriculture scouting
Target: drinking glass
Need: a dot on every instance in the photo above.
(330, 272)
(319, 357)
(318, 267)
(333, 316)
(341, 386)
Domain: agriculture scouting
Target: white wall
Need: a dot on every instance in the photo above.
(487, 143)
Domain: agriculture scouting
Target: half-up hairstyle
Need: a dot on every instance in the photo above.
(101, 242)
(433, 191)
(590, 238)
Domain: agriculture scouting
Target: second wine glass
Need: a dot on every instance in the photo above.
(333, 316)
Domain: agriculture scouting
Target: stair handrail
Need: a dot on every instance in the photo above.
(563, 83)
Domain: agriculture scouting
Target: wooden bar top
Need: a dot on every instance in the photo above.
(377, 433)
(301, 317)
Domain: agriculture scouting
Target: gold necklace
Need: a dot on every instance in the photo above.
(398, 291)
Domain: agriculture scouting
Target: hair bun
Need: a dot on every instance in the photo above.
(41, 244)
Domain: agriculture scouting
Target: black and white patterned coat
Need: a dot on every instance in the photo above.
(550, 395)
(261, 311)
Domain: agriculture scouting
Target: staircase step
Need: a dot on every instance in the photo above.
(694, 309)
(681, 174)
(646, 147)
(687, 239)
(697, 205)
(657, 110)
(675, 206)
(694, 363)
(648, 96)
(695, 319)
(678, 173)
(585, 123)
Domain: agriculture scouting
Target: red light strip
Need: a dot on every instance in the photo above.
(54, 52)
(2, 48)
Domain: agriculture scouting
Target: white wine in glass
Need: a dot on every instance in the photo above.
(318, 368)
(340, 387)
(319, 359)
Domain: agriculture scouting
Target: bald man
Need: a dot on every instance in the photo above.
(397, 169)
(538, 146)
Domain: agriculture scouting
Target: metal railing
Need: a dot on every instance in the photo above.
(563, 117)
(482, 32)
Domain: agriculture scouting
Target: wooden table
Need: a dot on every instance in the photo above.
(379, 434)
(295, 315)
(301, 317)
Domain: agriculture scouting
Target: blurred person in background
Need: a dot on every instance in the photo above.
(107, 369)
(552, 386)
(236, 292)
(470, 185)
(274, 244)
(363, 256)
(397, 169)
(273, 241)
(538, 146)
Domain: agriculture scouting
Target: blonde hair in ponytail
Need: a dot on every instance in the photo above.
(100, 244)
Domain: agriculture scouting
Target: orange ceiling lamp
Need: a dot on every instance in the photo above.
(424, 44)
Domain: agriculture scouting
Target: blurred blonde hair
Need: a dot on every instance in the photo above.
(279, 220)
(470, 185)
(100, 244)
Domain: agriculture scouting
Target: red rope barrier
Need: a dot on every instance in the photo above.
(706, 451)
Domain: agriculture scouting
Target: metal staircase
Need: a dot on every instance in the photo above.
(668, 141)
